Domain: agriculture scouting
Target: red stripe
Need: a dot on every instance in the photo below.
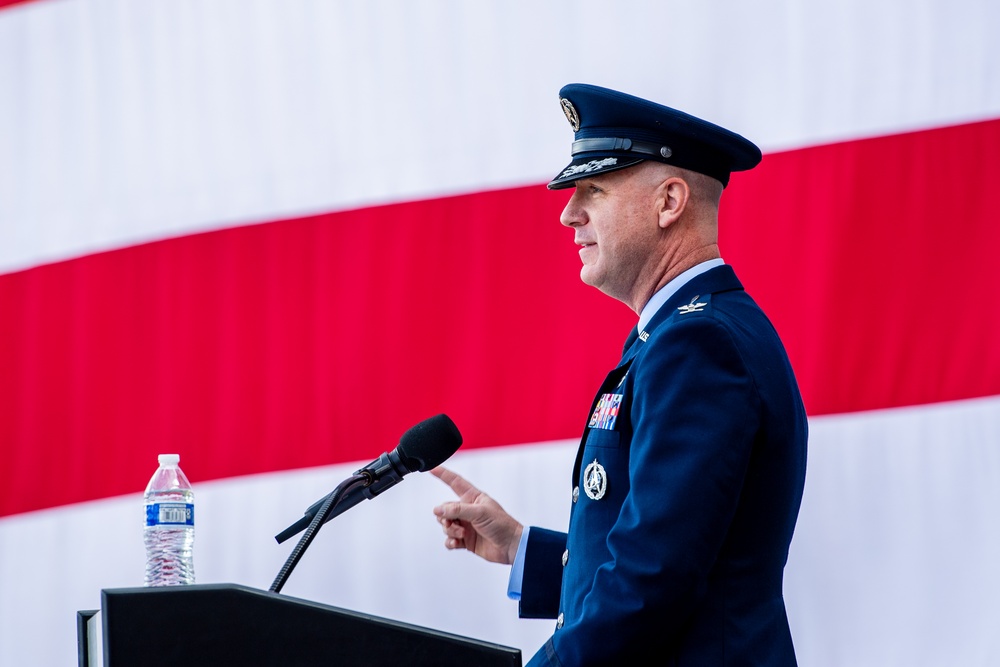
(320, 340)
(7, 3)
(298, 343)
(876, 261)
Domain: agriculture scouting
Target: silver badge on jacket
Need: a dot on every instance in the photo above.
(595, 481)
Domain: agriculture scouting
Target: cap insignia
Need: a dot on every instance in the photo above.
(571, 114)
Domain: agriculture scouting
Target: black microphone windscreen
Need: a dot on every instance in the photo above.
(429, 443)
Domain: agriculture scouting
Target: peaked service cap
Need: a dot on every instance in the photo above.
(615, 130)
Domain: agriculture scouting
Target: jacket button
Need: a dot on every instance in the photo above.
(559, 621)
(576, 493)
(565, 557)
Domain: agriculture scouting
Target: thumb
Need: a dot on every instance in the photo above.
(450, 510)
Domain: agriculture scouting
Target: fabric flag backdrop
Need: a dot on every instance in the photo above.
(271, 236)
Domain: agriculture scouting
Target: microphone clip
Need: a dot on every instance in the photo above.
(368, 475)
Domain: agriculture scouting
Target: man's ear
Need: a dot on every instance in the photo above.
(674, 196)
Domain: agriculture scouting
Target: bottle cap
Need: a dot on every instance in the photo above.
(169, 459)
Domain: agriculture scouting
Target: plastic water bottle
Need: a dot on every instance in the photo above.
(169, 528)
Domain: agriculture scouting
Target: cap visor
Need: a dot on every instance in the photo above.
(585, 167)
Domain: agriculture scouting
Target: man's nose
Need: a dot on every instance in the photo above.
(573, 214)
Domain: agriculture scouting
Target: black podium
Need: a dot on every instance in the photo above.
(229, 624)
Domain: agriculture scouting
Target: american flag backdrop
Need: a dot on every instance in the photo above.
(272, 235)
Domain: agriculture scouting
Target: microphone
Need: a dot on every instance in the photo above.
(424, 446)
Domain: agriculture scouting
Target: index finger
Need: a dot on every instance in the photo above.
(457, 483)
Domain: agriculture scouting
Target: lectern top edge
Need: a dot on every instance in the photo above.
(212, 624)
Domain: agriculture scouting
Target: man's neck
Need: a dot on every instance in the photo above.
(675, 266)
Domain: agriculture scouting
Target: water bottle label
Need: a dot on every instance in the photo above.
(170, 514)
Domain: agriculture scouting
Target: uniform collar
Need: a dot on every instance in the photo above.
(671, 288)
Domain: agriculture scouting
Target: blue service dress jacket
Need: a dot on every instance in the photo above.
(686, 490)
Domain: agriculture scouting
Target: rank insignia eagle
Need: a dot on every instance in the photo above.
(694, 307)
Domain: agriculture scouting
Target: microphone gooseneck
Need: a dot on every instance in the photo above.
(325, 505)
(422, 447)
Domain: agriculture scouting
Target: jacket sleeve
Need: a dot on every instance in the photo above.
(542, 578)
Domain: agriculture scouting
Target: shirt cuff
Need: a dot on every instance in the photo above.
(517, 569)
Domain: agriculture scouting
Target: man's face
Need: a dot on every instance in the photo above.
(615, 217)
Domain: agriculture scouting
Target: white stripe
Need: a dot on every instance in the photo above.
(123, 122)
(894, 557)
(893, 561)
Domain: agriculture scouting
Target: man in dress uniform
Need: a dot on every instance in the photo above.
(689, 475)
